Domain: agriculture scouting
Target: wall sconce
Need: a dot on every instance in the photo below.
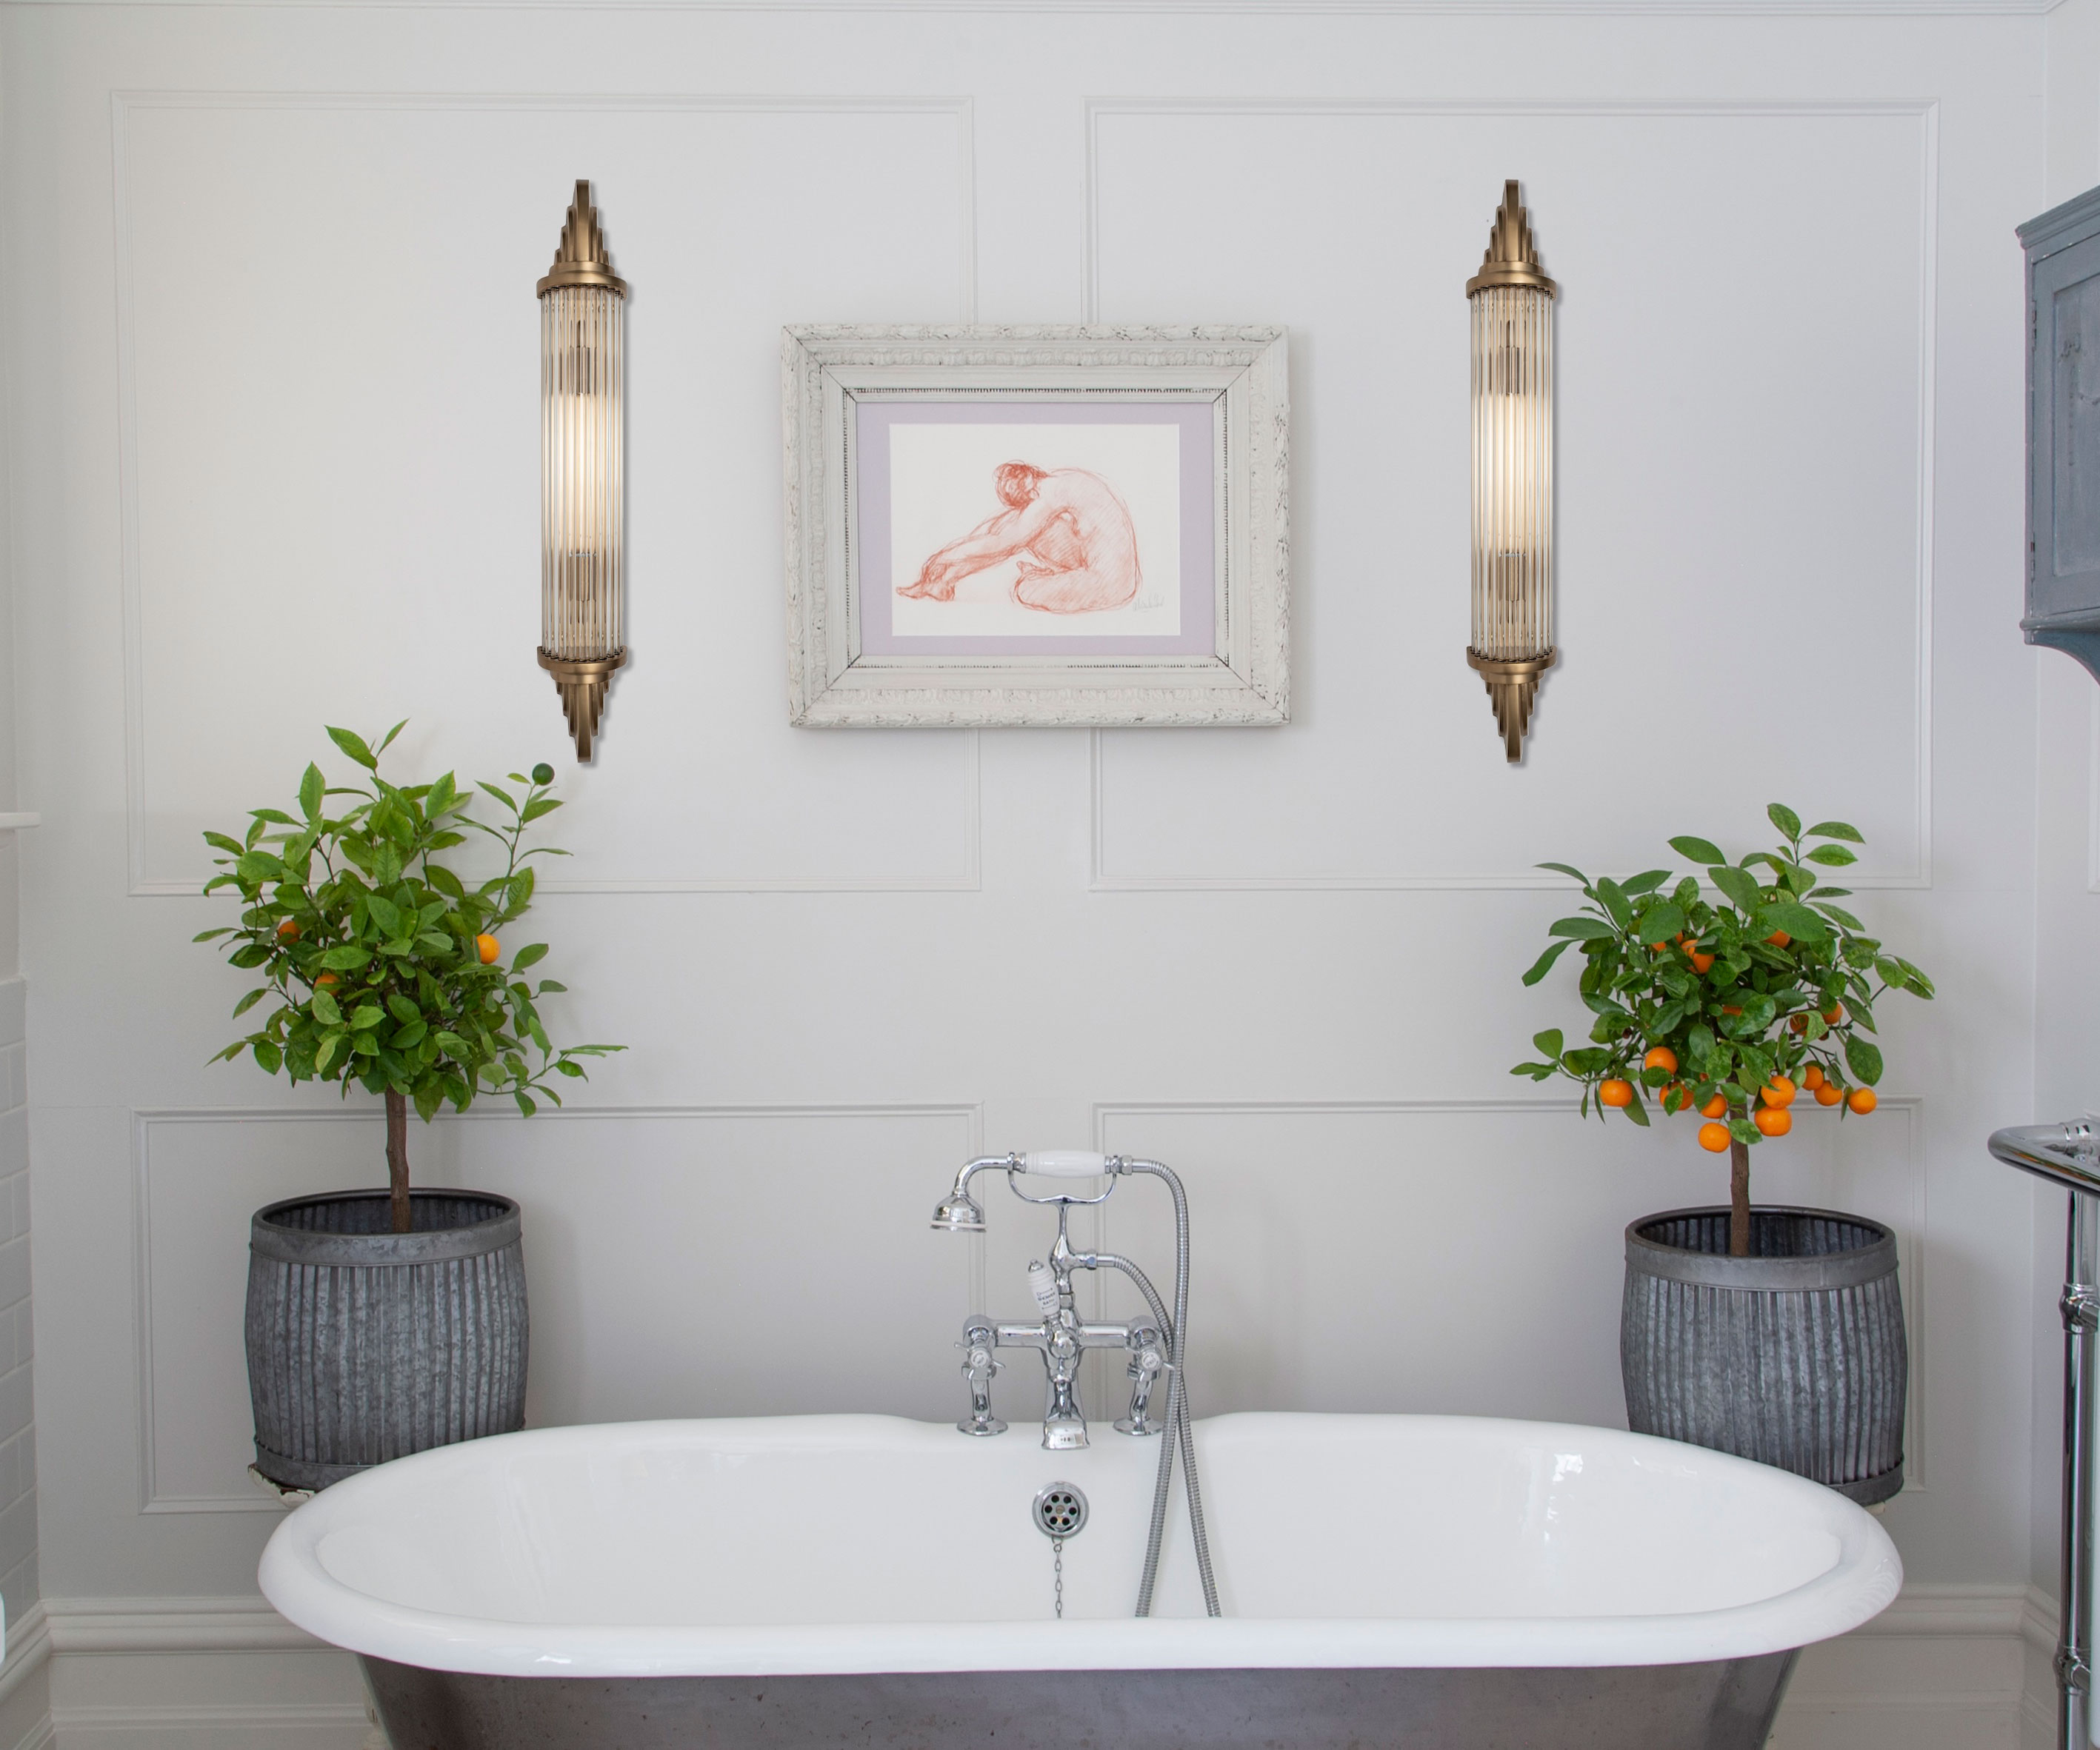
(1512, 642)
(582, 491)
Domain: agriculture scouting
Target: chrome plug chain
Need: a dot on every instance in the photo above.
(1057, 1544)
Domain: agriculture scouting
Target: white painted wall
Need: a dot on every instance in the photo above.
(271, 369)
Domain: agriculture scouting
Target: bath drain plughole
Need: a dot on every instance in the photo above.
(1061, 1512)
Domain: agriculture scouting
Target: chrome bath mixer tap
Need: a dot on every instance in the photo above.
(1062, 1338)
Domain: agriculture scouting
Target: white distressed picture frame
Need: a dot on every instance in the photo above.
(1244, 677)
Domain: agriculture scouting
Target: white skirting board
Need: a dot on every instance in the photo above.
(1946, 1667)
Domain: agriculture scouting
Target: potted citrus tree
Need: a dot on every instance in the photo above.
(1776, 1333)
(380, 1322)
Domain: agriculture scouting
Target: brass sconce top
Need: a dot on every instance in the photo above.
(1512, 257)
(583, 258)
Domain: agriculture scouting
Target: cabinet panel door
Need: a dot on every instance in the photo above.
(2064, 573)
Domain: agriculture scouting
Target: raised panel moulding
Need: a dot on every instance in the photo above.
(153, 1499)
(125, 103)
(1926, 113)
(1912, 1225)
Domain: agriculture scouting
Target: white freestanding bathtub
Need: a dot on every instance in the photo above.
(1385, 1579)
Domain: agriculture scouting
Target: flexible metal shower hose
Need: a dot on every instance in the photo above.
(1179, 1431)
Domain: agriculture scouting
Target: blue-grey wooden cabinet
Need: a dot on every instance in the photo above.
(2063, 429)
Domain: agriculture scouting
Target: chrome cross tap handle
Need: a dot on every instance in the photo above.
(979, 1364)
(1147, 1359)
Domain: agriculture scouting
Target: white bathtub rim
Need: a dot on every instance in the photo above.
(1864, 1582)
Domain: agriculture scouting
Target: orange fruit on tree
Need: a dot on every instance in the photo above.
(1834, 1014)
(288, 931)
(1714, 1137)
(1683, 1097)
(1862, 1100)
(1811, 1077)
(488, 947)
(1714, 1107)
(1660, 1058)
(1828, 1094)
(1778, 1092)
(1612, 1091)
(1727, 1009)
(1700, 962)
(1774, 1121)
(325, 980)
(1779, 938)
(1797, 1023)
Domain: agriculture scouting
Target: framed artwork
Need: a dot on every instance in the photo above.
(1034, 526)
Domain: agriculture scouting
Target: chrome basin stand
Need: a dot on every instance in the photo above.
(2069, 1155)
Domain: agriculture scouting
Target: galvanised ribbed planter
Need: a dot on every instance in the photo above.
(1794, 1355)
(365, 1345)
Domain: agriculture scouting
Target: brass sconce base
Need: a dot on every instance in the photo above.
(582, 684)
(1512, 685)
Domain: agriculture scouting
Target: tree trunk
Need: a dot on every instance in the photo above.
(397, 1157)
(1738, 1198)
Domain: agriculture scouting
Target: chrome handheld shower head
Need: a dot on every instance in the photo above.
(960, 1212)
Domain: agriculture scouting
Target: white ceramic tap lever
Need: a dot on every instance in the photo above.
(1064, 1163)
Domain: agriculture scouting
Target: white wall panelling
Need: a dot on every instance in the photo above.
(687, 1208)
(1362, 1255)
(243, 318)
(1646, 365)
(270, 356)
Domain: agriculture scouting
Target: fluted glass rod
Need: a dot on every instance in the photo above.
(583, 493)
(1511, 642)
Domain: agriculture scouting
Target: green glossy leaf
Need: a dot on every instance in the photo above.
(326, 1009)
(1646, 882)
(388, 741)
(247, 958)
(205, 936)
(220, 841)
(445, 881)
(501, 795)
(529, 955)
(403, 1008)
(354, 746)
(250, 1000)
(411, 1034)
(1581, 929)
(331, 1043)
(1698, 850)
(366, 1015)
(269, 1056)
(1784, 818)
(1660, 923)
(525, 1102)
(1864, 1058)
(1797, 920)
(384, 913)
(345, 957)
(1549, 1043)
(1740, 885)
(1832, 856)
(1838, 913)
(1614, 901)
(1835, 829)
(259, 866)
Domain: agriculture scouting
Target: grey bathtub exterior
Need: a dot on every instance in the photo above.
(1725, 1705)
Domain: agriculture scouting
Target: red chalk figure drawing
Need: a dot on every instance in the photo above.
(1070, 533)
